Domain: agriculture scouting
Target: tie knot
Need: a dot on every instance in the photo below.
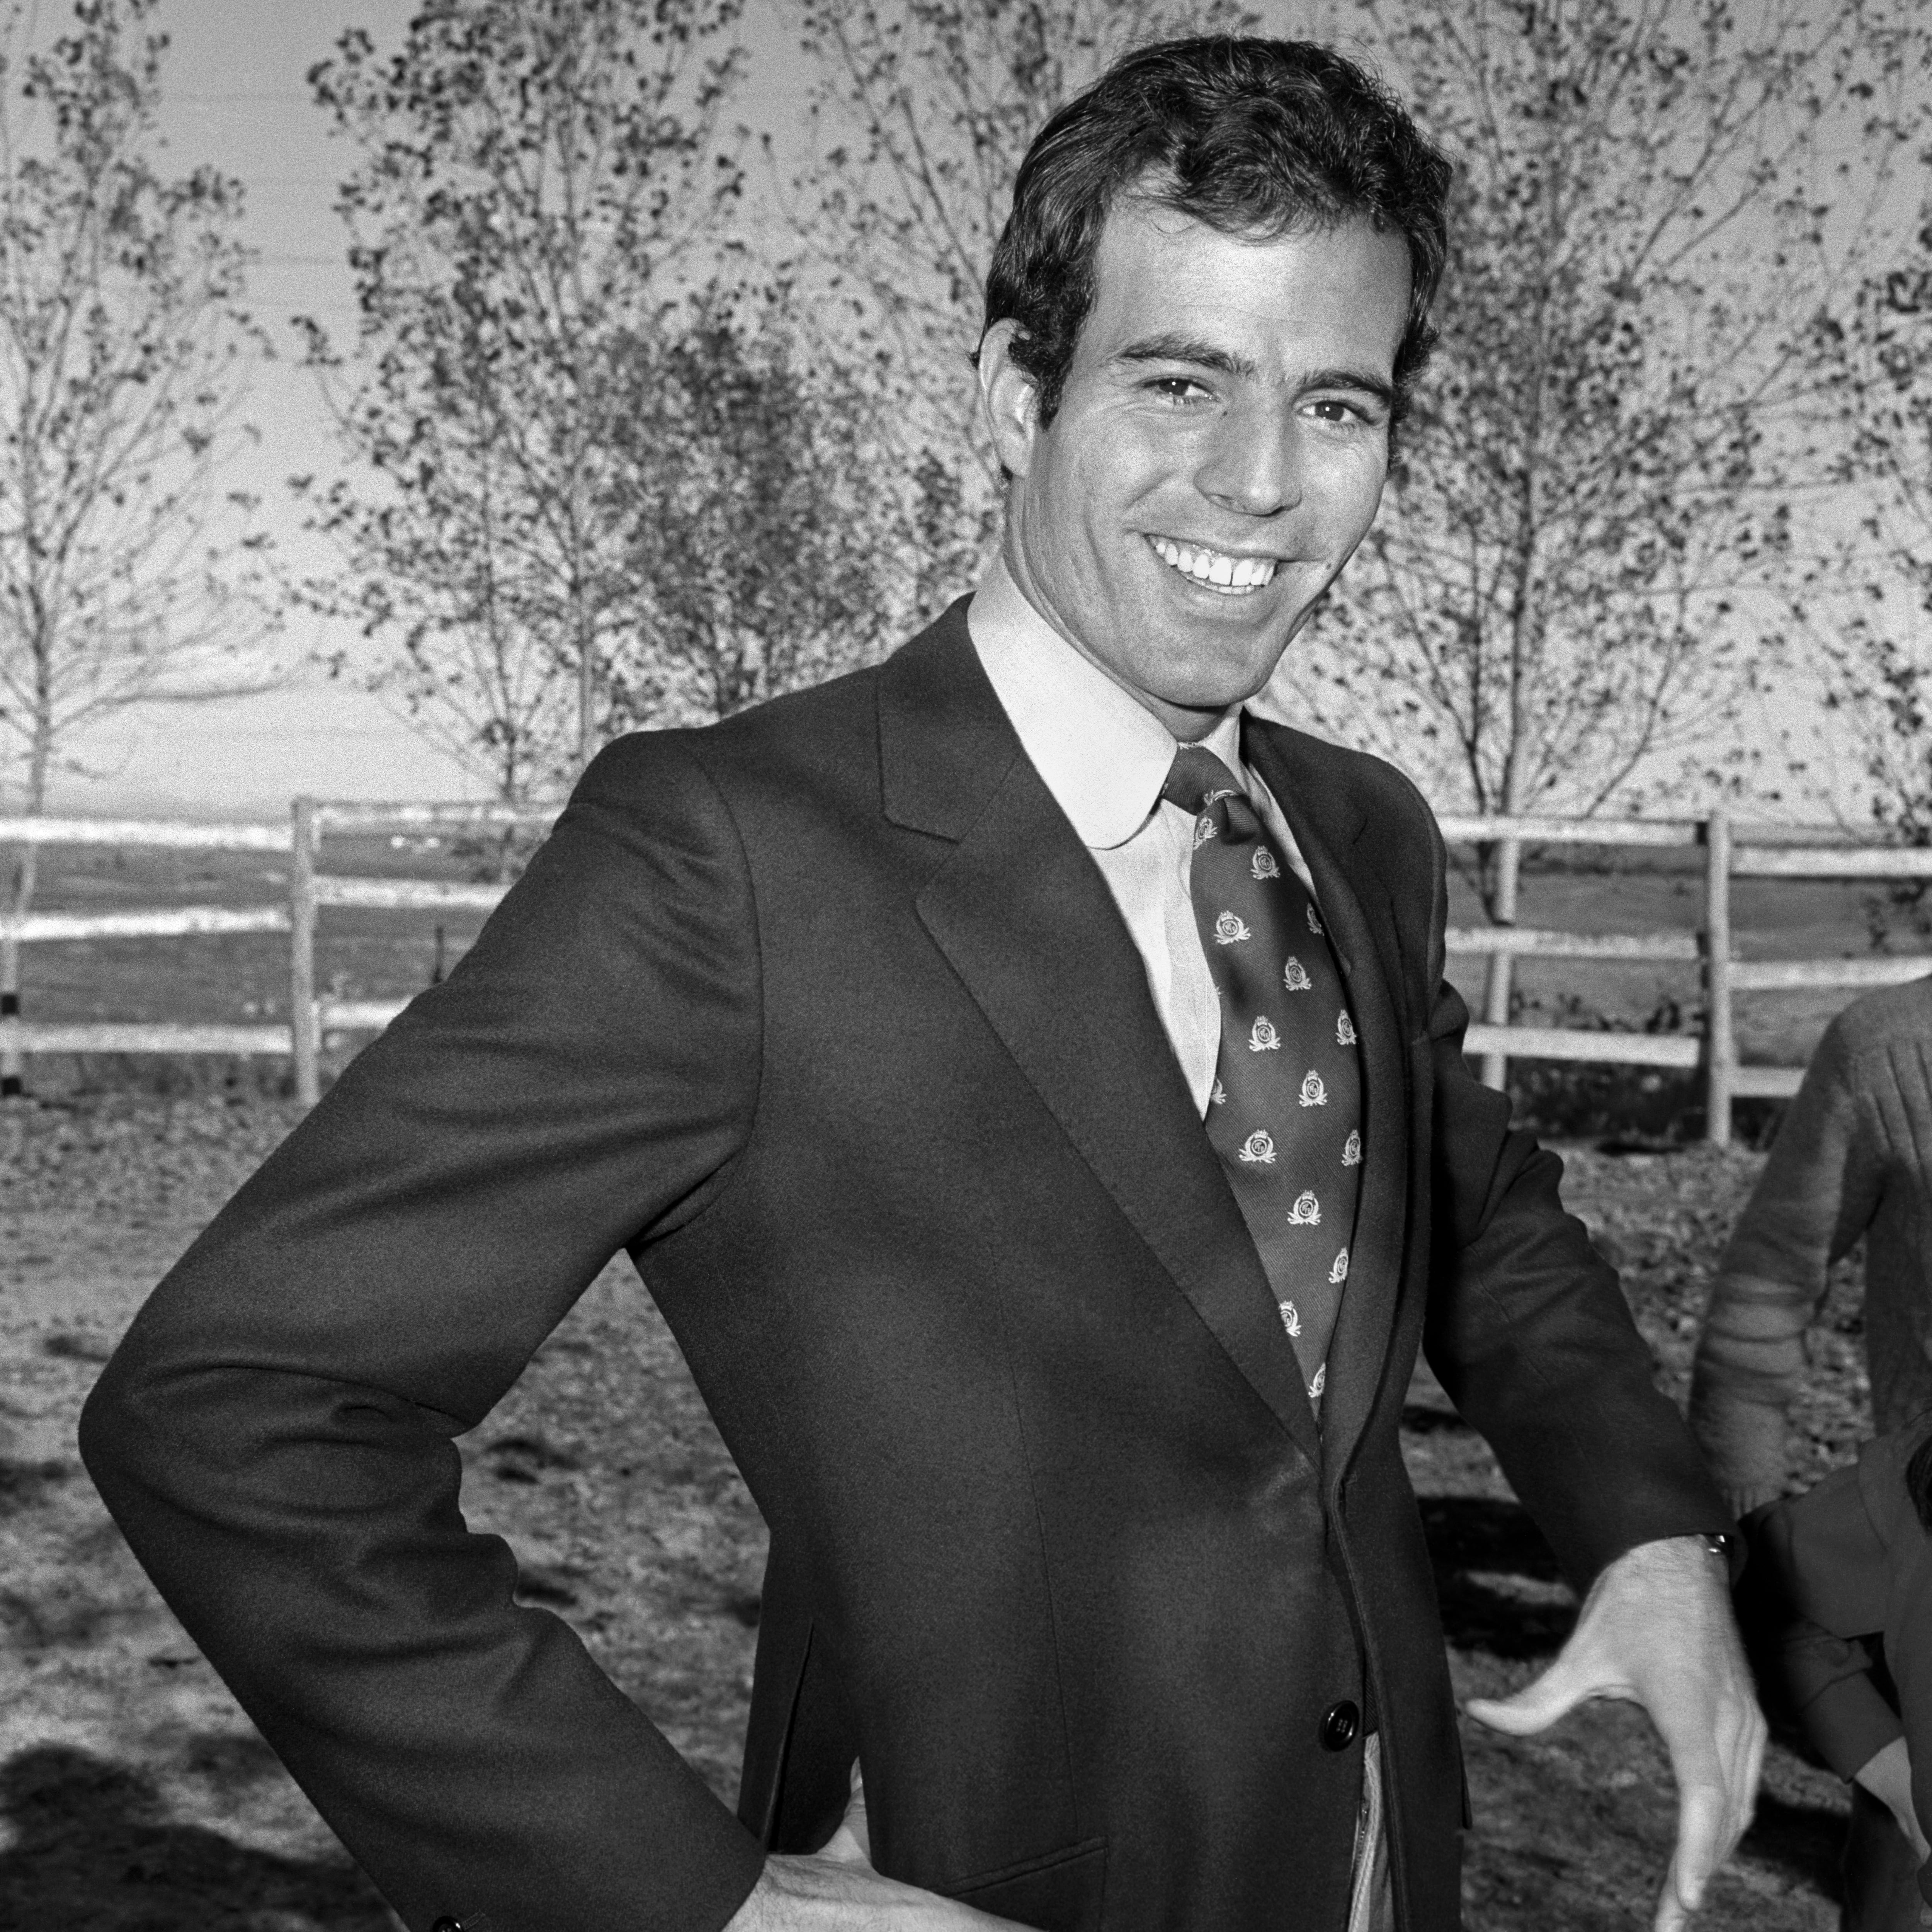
(1197, 778)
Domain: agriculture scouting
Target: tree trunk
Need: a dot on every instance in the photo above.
(587, 701)
(25, 876)
(1505, 870)
(587, 679)
(1503, 861)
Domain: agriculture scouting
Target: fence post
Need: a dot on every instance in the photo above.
(304, 1027)
(1496, 992)
(13, 1061)
(1720, 1049)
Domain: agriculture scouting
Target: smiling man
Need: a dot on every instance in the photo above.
(1027, 1085)
(1216, 452)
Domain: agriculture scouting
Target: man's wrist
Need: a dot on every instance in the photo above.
(1696, 1560)
(1731, 1550)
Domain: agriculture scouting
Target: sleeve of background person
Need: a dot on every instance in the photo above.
(1818, 1192)
(1889, 1509)
(1820, 1570)
(273, 1435)
(1528, 1331)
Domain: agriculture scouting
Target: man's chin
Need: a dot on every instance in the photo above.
(1190, 716)
(1220, 690)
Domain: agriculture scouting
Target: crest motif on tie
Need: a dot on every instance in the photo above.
(1262, 1038)
(1215, 796)
(1229, 930)
(1339, 1272)
(1314, 925)
(1204, 830)
(1344, 1029)
(1291, 1318)
(1306, 1212)
(1351, 1150)
(1263, 864)
(1295, 976)
(1258, 1147)
(1218, 1097)
(1313, 1093)
(1320, 1383)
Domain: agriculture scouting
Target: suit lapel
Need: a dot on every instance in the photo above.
(1022, 914)
(1329, 827)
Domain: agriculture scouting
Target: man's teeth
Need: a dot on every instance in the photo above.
(1233, 575)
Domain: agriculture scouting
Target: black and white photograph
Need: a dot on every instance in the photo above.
(964, 965)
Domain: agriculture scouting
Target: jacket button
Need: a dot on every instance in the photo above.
(446, 1924)
(1339, 1723)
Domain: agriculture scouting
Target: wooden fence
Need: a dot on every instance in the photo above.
(1731, 852)
(1743, 851)
(309, 890)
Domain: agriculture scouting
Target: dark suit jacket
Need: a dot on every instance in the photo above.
(1839, 1594)
(826, 1015)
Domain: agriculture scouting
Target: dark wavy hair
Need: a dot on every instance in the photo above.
(1254, 137)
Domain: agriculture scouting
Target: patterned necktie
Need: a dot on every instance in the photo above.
(1286, 1111)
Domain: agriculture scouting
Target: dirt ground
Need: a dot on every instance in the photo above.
(135, 1798)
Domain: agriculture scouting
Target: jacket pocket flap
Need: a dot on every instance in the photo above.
(1060, 1891)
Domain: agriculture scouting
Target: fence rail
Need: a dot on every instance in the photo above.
(181, 834)
(174, 922)
(1742, 850)
(1626, 1049)
(388, 894)
(309, 890)
(1732, 850)
(1518, 941)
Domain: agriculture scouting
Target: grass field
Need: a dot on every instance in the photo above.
(134, 1798)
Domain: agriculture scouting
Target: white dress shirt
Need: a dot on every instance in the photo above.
(1104, 756)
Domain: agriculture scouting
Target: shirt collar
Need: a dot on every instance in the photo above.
(1101, 753)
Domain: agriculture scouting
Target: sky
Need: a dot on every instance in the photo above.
(235, 96)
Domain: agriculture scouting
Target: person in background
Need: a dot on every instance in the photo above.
(1854, 1157)
(1840, 1582)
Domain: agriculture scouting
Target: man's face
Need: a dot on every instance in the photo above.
(1218, 452)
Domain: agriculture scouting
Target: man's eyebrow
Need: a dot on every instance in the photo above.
(1205, 355)
(1194, 349)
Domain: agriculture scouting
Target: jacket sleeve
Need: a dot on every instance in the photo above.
(1812, 1558)
(1527, 1330)
(1828, 1681)
(1818, 1192)
(1905, 1652)
(1889, 1513)
(274, 1433)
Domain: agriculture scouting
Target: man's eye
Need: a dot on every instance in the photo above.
(1177, 389)
(1338, 409)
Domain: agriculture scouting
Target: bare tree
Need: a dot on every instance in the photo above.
(1565, 588)
(123, 357)
(768, 554)
(920, 116)
(1866, 610)
(474, 667)
(528, 171)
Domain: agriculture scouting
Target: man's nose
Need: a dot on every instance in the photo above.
(1252, 464)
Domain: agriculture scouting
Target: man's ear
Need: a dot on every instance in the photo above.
(1008, 397)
